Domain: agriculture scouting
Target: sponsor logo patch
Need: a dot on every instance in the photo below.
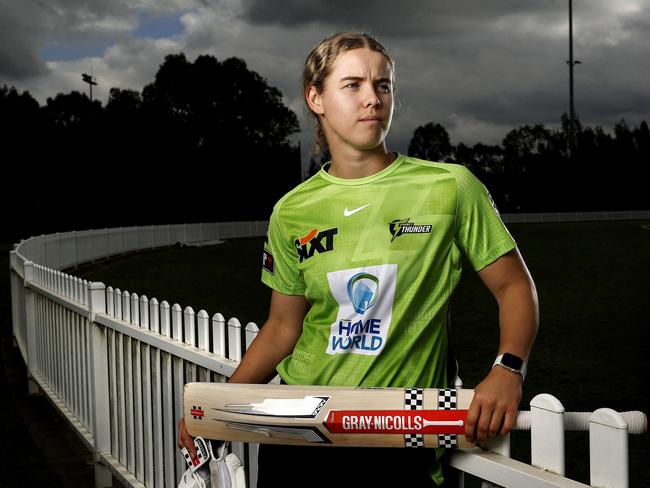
(401, 227)
(315, 242)
(267, 261)
(365, 297)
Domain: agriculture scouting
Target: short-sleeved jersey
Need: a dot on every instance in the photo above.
(378, 259)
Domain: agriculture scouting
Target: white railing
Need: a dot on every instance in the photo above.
(548, 422)
(529, 218)
(114, 363)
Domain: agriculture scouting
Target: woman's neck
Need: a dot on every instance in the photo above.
(360, 165)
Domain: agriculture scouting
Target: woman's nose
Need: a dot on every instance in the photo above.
(372, 98)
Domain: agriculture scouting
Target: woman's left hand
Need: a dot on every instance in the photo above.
(493, 410)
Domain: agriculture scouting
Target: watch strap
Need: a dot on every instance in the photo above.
(521, 370)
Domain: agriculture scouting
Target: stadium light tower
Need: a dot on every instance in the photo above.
(91, 81)
(571, 63)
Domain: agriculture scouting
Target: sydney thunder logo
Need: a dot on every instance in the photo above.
(403, 226)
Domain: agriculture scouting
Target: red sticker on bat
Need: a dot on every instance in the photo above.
(396, 421)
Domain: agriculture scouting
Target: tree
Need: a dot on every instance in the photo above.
(431, 142)
(123, 104)
(223, 120)
(15, 106)
(488, 158)
(523, 144)
(642, 143)
(69, 111)
(464, 155)
(212, 105)
(20, 139)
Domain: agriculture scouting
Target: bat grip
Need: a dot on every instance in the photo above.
(637, 423)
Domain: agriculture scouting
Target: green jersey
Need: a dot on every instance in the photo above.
(378, 259)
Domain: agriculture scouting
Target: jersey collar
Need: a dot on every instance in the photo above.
(361, 181)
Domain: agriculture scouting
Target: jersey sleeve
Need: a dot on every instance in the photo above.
(480, 233)
(280, 259)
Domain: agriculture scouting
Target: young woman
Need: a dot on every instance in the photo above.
(362, 259)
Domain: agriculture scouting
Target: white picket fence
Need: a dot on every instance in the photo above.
(114, 363)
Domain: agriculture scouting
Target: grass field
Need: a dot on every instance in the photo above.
(593, 346)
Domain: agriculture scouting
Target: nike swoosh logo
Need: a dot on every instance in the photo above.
(347, 212)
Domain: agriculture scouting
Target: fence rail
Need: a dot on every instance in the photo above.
(114, 363)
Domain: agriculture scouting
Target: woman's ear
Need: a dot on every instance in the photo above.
(314, 100)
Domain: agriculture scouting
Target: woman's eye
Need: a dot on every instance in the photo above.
(385, 88)
(351, 85)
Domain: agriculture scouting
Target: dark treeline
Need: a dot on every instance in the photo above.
(536, 169)
(205, 141)
(209, 141)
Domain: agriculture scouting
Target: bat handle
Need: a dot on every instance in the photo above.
(637, 422)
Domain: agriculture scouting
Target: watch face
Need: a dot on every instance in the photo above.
(512, 361)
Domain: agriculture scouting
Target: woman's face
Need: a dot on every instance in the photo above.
(356, 105)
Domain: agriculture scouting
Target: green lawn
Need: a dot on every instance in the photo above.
(593, 346)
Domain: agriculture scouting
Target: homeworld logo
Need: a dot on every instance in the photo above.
(315, 242)
(363, 289)
(400, 227)
(365, 309)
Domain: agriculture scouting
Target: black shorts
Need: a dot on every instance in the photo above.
(341, 467)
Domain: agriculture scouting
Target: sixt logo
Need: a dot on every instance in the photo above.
(400, 227)
(315, 242)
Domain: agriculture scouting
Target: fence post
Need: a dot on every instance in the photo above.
(547, 433)
(30, 323)
(234, 340)
(608, 449)
(235, 353)
(17, 293)
(100, 390)
(253, 449)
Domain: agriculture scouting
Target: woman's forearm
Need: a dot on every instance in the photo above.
(518, 319)
(273, 343)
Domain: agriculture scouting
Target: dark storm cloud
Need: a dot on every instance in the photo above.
(478, 67)
(26, 26)
(20, 33)
(515, 108)
(402, 19)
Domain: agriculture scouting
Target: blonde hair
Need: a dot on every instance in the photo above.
(318, 66)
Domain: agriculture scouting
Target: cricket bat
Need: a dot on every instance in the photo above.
(343, 416)
(325, 415)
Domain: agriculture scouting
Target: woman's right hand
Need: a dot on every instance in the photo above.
(185, 439)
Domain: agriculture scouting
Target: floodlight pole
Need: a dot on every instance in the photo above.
(89, 79)
(571, 63)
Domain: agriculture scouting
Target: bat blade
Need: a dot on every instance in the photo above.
(324, 415)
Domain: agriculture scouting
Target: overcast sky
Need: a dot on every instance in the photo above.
(479, 67)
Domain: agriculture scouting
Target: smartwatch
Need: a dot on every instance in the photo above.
(511, 362)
